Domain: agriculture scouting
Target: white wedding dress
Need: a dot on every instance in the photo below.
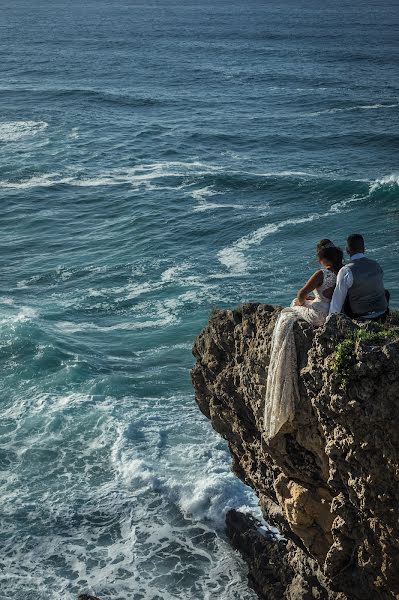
(282, 380)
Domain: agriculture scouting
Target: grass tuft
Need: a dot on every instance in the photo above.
(343, 357)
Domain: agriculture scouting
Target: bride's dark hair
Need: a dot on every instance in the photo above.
(331, 253)
(322, 243)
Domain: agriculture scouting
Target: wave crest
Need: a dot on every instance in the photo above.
(12, 131)
(388, 180)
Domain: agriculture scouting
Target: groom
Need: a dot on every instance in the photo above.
(360, 291)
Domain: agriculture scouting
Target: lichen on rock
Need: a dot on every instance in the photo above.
(329, 479)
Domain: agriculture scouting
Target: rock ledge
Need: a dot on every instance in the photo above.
(329, 480)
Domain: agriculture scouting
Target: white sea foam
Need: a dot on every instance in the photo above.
(173, 273)
(203, 193)
(204, 497)
(233, 257)
(350, 108)
(71, 327)
(140, 175)
(287, 174)
(136, 492)
(388, 180)
(205, 206)
(338, 206)
(38, 181)
(74, 133)
(149, 176)
(164, 349)
(151, 312)
(211, 497)
(25, 313)
(12, 131)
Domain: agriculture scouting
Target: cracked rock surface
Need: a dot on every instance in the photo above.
(329, 480)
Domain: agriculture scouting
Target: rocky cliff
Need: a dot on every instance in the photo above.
(329, 481)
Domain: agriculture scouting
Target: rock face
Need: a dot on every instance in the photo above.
(329, 480)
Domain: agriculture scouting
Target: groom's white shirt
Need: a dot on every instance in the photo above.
(344, 282)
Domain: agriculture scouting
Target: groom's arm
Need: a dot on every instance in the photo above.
(344, 282)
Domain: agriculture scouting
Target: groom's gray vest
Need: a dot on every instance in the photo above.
(367, 294)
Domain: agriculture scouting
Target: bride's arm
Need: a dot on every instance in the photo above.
(315, 281)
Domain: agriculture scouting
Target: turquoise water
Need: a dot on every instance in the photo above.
(158, 160)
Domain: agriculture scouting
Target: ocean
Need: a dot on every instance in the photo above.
(158, 160)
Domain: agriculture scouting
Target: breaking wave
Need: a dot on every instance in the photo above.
(389, 181)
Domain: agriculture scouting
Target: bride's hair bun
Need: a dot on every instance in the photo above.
(325, 243)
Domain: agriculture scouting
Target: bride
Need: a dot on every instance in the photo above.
(282, 381)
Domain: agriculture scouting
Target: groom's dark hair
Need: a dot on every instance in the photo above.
(355, 243)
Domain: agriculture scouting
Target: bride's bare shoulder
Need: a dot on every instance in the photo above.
(318, 276)
(316, 280)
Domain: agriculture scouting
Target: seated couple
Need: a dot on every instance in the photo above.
(356, 289)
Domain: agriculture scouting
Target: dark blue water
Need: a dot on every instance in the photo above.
(157, 160)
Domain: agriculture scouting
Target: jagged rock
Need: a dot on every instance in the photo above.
(329, 479)
(278, 568)
(87, 597)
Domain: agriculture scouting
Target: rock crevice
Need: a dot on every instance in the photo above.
(329, 480)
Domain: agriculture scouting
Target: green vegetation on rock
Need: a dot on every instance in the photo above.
(343, 357)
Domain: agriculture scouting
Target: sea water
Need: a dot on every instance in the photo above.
(157, 160)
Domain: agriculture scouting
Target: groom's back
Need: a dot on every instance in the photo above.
(367, 293)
